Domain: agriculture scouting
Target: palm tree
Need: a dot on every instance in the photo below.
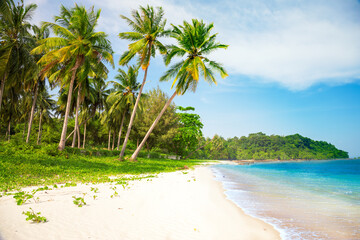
(95, 96)
(109, 119)
(148, 25)
(125, 94)
(14, 38)
(194, 42)
(36, 81)
(45, 105)
(77, 42)
(12, 110)
(89, 68)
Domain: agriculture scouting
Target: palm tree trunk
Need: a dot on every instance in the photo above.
(136, 153)
(32, 112)
(134, 110)
(8, 130)
(113, 145)
(121, 125)
(2, 89)
(40, 128)
(80, 125)
(109, 139)
(68, 104)
(84, 135)
(76, 129)
(79, 140)
(199, 148)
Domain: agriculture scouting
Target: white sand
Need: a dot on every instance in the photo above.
(171, 206)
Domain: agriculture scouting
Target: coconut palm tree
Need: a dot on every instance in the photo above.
(36, 81)
(12, 109)
(45, 105)
(125, 94)
(194, 42)
(94, 100)
(148, 25)
(90, 68)
(109, 119)
(14, 38)
(76, 42)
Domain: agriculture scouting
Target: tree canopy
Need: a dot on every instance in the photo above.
(259, 146)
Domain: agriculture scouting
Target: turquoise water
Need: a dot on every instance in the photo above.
(303, 200)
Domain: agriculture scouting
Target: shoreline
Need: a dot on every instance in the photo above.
(295, 205)
(187, 204)
(251, 161)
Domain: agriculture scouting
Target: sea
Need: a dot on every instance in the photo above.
(302, 200)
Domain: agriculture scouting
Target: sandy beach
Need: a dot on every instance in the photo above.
(178, 205)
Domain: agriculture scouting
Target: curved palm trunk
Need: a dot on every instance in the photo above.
(67, 111)
(2, 89)
(136, 153)
(134, 110)
(32, 112)
(121, 126)
(109, 140)
(84, 135)
(40, 128)
(76, 129)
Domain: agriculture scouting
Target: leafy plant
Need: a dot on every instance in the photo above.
(123, 183)
(69, 185)
(79, 201)
(95, 190)
(34, 217)
(22, 197)
(115, 194)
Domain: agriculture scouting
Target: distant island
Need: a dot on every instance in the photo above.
(259, 146)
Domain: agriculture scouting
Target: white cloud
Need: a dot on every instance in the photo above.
(296, 47)
(294, 43)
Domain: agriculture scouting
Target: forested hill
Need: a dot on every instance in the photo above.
(259, 146)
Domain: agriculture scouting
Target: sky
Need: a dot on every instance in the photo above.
(294, 66)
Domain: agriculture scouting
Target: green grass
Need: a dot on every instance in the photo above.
(27, 165)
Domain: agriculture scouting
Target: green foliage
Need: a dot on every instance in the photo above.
(163, 134)
(22, 197)
(79, 201)
(194, 43)
(34, 217)
(124, 184)
(115, 194)
(27, 165)
(259, 146)
(189, 132)
(69, 184)
(95, 190)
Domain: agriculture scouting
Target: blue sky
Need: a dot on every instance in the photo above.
(294, 66)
